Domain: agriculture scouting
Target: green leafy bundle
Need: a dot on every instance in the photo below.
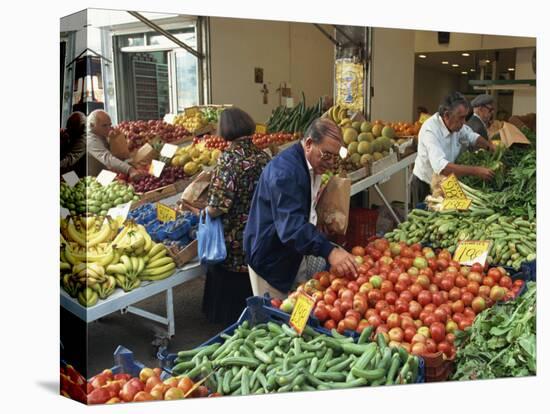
(501, 342)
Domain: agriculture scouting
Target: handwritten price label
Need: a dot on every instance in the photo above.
(168, 150)
(261, 129)
(470, 252)
(105, 177)
(156, 168)
(451, 187)
(301, 312)
(456, 203)
(165, 213)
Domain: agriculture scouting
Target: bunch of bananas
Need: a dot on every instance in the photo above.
(338, 115)
(95, 260)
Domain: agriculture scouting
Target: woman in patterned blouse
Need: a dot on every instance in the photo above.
(229, 196)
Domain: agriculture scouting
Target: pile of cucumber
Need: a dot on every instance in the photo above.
(270, 358)
(514, 239)
(297, 119)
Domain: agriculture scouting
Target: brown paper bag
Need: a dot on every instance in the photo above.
(144, 156)
(195, 194)
(118, 145)
(333, 206)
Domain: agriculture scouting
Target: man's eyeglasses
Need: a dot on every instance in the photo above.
(490, 108)
(326, 156)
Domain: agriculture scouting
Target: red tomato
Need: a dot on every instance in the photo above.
(431, 346)
(429, 319)
(336, 314)
(424, 297)
(437, 331)
(415, 289)
(341, 327)
(473, 287)
(406, 296)
(446, 348)
(494, 274)
(440, 315)
(506, 282)
(489, 281)
(458, 306)
(321, 313)
(461, 281)
(467, 298)
(391, 297)
(454, 294)
(477, 268)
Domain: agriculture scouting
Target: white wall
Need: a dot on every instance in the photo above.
(426, 41)
(524, 101)
(295, 53)
(431, 86)
(393, 81)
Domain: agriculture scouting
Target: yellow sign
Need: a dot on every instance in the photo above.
(301, 312)
(192, 111)
(165, 213)
(470, 252)
(451, 187)
(261, 129)
(456, 203)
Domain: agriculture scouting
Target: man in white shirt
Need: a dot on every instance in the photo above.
(441, 140)
(483, 112)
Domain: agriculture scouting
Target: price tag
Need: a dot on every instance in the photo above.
(343, 152)
(456, 203)
(261, 129)
(120, 211)
(169, 118)
(165, 213)
(451, 187)
(168, 150)
(189, 112)
(105, 177)
(301, 312)
(470, 252)
(156, 168)
(64, 212)
(70, 178)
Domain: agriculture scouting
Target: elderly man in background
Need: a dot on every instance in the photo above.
(483, 114)
(441, 140)
(98, 153)
(73, 145)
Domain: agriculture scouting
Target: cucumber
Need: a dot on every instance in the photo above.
(331, 376)
(370, 375)
(395, 362)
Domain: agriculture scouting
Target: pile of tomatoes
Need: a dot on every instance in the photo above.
(415, 297)
(264, 140)
(212, 142)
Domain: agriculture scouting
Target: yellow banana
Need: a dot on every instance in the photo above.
(148, 240)
(159, 262)
(74, 234)
(100, 270)
(89, 222)
(106, 259)
(116, 268)
(100, 236)
(159, 276)
(159, 255)
(135, 263)
(79, 267)
(125, 260)
(120, 236)
(64, 267)
(159, 270)
(157, 248)
(141, 265)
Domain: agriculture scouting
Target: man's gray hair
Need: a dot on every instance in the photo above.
(453, 101)
(92, 118)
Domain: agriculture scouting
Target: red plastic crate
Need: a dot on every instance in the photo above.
(361, 226)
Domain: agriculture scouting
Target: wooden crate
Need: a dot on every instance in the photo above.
(188, 253)
(161, 193)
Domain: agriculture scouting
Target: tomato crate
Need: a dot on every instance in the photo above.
(530, 269)
(361, 226)
(437, 368)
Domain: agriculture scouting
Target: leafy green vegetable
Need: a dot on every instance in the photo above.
(501, 342)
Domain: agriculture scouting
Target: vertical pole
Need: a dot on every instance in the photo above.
(170, 312)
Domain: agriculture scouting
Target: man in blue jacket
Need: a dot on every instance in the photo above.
(281, 223)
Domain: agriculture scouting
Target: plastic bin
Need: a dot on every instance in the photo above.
(530, 269)
(361, 226)
(258, 311)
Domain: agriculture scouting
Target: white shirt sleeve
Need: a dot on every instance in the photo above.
(436, 155)
(469, 134)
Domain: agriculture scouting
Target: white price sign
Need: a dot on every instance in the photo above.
(106, 177)
(70, 178)
(156, 168)
(120, 211)
(64, 212)
(168, 150)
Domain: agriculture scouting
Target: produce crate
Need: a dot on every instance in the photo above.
(358, 174)
(257, 312)
(530, 270)
(437, 368)
(361, 226)
(188, 253)
(161, 193)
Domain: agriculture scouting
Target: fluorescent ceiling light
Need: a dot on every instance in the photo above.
(445, 62)
(511, 69)
(465, 54)
(487, 61)
(464, 72)
(455, 65)
(472, 70)
(422, 56)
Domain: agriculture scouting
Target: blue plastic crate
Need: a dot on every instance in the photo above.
(530, 269)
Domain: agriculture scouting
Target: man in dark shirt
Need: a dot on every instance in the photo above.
(73, 145)
(483, 113)
(280, 229)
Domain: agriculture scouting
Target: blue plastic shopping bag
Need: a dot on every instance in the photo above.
(211, 243)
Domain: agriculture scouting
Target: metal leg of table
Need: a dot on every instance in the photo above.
(377, 188)
(407, 191)
(168, 320)
(170, 313)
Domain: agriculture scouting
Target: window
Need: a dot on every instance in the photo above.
(154, 76)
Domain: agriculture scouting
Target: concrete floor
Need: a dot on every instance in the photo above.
(137, 333)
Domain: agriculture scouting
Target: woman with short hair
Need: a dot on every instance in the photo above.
(231, 188)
